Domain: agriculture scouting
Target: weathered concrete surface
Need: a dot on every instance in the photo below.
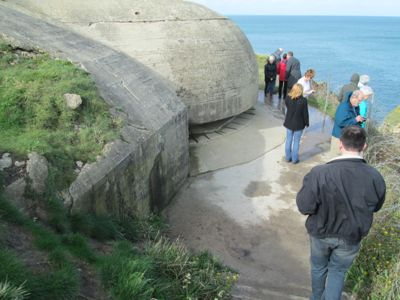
(247, 216)
(259, 131)
(207, 58)
(148, 165)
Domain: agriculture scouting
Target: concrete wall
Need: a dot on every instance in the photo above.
(205, 56)
(147, 166)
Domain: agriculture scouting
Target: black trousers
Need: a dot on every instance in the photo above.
(283, 86)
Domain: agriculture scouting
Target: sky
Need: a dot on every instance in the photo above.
(305, 7)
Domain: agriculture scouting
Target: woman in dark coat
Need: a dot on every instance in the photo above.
(270, 76)
(296, 120)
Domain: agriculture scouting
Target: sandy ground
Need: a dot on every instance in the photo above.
(241, 205)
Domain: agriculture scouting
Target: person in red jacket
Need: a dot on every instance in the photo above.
(281, 70)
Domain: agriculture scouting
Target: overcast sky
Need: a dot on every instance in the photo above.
(305, 7)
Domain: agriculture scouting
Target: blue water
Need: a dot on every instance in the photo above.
(336, 47)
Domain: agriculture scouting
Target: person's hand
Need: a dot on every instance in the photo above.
(360, 118)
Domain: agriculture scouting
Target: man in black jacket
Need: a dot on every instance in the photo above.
(339, 198)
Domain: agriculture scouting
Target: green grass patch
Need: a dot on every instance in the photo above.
(34, 115)
(164, 270)
(319, 103)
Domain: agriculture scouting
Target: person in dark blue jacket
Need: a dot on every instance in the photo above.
(347, 114)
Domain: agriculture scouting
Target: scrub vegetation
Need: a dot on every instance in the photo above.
(80, 256)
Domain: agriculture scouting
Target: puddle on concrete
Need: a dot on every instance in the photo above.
(258, 189)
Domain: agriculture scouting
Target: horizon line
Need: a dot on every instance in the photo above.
(293, 15)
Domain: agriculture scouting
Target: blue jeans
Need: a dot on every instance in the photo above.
(292, 144)
(330, 260)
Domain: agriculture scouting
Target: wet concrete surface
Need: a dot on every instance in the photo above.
(246, 214)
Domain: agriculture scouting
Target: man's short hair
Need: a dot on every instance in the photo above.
(290, 53)
(353, 138)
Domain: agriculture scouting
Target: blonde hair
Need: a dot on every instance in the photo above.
(310, 72)
(296, 91)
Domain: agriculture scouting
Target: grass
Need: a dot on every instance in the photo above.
(165, 270)
(319, 103)
(10, 292)
(34, 115)
(157, 268)
(62, 283)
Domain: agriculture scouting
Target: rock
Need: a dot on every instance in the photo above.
(5, 161)
(42, 214)
(67, 199)
(19, 163)
(15, 193)
(79, 164)
(37, 170)
(73, 100)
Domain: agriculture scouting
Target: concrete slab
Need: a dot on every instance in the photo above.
(257, 133)
(246, 214)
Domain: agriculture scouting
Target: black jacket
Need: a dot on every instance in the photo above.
(340, 198)
(296, 113)
(270, 72)
(293, 72)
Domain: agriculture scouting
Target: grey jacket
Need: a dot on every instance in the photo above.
(350, 87)
(293, 72)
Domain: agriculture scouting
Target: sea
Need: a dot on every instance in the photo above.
(336, 47)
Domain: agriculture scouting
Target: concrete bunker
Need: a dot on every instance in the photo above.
(207, 59)
(180, 64)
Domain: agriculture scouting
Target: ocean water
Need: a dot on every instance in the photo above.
(336, 47)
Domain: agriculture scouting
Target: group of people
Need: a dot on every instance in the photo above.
(300, 88)
(287, 69)
(340, 196)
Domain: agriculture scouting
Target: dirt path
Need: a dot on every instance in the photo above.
(246, 214)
